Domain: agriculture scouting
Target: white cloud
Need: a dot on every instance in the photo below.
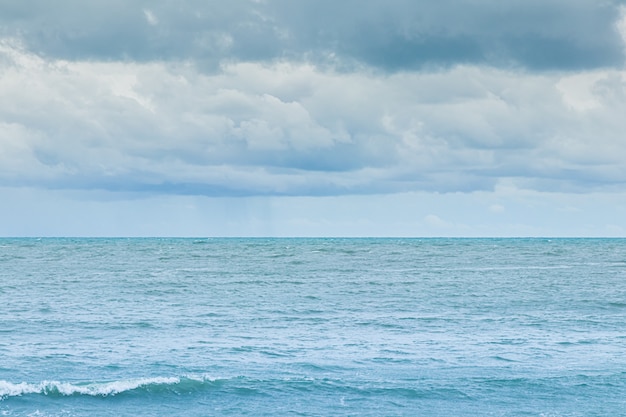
(150, 17)
(437, 222)
(293, 128)
(496, 208)
(577, 90)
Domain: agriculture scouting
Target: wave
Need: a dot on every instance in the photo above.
(177, 385)
(237, 386)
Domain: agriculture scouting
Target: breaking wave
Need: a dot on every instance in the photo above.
(176, 385)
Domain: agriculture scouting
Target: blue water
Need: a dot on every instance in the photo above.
(313, 327)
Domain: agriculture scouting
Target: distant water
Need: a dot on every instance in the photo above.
(313, 327)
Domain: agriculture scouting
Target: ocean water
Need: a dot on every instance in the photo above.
(312, 327)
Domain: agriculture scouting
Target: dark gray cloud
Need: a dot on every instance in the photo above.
(390, 35)
(401, 34)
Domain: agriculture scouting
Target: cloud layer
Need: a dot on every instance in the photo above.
(389, 34)
(312, 98)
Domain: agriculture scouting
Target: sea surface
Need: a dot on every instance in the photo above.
(312, 327)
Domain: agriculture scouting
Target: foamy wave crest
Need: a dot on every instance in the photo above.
(104, 389)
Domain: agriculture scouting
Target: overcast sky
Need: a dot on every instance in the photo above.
(313, 118)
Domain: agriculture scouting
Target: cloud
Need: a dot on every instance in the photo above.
(390, 35)
(293, 128)
(496, 208)
(150, 17)
(437, 222)
(281, 117)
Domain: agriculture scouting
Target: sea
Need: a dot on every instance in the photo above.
(312, 327)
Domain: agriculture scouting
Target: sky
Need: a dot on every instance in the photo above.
(313, 118)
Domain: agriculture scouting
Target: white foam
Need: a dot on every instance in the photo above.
(9, 389)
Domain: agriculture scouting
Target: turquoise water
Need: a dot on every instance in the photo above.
(313, 327)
